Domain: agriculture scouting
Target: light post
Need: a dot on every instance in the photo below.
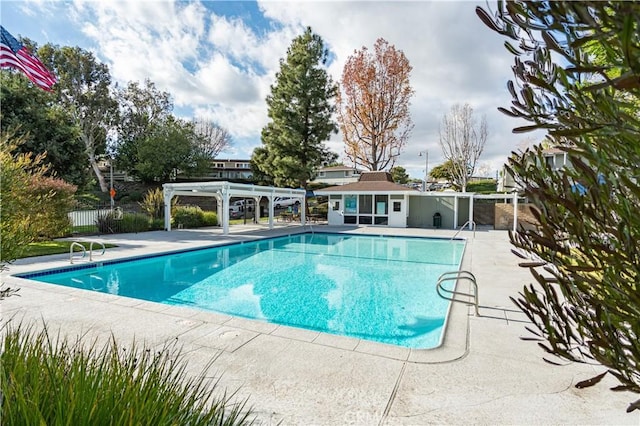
(112, 192)
(426, 168)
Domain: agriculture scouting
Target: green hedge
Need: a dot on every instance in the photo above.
(193, 217)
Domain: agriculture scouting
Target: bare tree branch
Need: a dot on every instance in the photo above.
(212, 138)
(462, 140)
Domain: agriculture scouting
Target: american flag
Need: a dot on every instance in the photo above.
(15, 55)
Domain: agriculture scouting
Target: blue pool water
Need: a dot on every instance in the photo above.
(370, 287)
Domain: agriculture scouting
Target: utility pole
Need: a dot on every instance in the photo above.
(426, 169)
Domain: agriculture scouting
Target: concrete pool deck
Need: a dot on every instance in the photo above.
(483, 374)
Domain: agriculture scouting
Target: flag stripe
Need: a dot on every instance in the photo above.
(10, 60)
(7, 58)
(15, 55)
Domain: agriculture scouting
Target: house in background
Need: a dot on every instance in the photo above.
(337, 175)
(232, 170)
(555, 158)
(225, 170)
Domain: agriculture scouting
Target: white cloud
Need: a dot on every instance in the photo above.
(455, 59)
(221, 66)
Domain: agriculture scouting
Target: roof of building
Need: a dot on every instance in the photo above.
(553, 151)
(338, 168)
(370, 181)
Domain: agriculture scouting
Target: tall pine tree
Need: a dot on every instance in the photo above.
(300, 110)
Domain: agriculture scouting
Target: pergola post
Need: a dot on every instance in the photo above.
(225, 211)
(455, 212)
(471, 212)
(271, 211)
(168, 195)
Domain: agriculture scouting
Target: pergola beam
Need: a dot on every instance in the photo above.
(223, 192)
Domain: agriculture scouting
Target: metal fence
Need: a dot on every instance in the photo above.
(100, 218)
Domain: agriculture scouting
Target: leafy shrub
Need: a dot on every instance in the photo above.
(156, 224)
(135, 196)
(188, 216)
(87, 200)
(107, 223)
(585, 303)
(85, 384)
(210, 219)
(25, 194)
(117, 222)
(51, 218)
(153, 203)
(134, 222)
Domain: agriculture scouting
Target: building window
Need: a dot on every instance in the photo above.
(366, 204)
(382, 205)
(347, 173)
(321, 174)
(397, 206)
(351, 220)
(381, 220)
(365, 220)
(218, 165)
(550, 161)
(350, 204)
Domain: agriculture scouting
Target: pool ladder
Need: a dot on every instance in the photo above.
(451, 294)
(84, 250)
(470, 223)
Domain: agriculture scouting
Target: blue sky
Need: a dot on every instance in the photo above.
(217, 59)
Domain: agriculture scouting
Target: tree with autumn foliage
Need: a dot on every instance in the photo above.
(373, 106)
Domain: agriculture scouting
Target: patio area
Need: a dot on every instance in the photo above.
(483, 374)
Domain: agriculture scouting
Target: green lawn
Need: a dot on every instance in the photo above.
(487, 186)
(45, 248)
(85, 229)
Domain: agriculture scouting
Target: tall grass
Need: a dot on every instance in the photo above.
(48, 380)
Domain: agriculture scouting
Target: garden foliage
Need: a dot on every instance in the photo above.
(34, 205)
(577, 76)
(193, 217)
(48, 380)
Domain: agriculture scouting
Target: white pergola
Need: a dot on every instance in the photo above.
(223, 192)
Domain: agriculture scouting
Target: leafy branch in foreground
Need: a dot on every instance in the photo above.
(46, 380)
(577, 72)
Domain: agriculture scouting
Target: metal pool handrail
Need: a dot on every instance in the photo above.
(451, 294)
(91, 249)
(84, 250)
(469, 222)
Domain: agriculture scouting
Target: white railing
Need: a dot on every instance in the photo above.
(84, 250)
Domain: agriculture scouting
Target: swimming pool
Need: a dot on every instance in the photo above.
(370, 287)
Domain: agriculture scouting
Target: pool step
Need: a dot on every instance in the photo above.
(452, 294)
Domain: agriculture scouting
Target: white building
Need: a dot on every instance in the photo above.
(337, 175)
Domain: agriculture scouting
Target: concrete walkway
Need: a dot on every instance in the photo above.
(483, 374)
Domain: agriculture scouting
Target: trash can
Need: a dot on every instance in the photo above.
(437, 220)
